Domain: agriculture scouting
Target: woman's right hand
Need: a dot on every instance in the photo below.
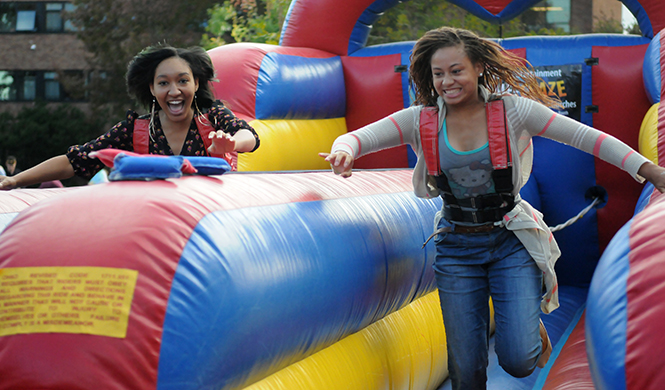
(55, 168)
(654, 174)
(7, 183)
(340, 162)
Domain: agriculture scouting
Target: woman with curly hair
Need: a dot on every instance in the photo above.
(184, 119)
(473, 142)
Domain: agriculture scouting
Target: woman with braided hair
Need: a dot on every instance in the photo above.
(489, 242)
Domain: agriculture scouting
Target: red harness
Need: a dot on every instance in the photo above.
(141, 139)
(497, 133)
(489, 207)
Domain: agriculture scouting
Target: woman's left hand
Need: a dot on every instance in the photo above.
(340, 162)
(221, 142)
(654, 174)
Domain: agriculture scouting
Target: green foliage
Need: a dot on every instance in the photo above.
(606, 25)
(113, 31)
(40, 132)
(233, 21)
(261, 21)
(634, 29)
(409, 20)
(220, 26)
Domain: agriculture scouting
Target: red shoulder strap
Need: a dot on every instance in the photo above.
(429, 138)
(141, 136)
(205, 127)
(498, 135)
(141, 139)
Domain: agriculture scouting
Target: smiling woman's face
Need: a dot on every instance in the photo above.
(454, 76)
(174, 87)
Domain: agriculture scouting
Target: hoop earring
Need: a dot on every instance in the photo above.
(199, 116)
(151, 125)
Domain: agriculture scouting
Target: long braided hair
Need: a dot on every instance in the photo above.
(501, 69)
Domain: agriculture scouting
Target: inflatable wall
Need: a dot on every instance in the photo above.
(284, 276)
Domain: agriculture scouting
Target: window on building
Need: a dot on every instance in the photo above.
(26, 17)
(18, 85)
(549, 14)
(51, 86)
(29, 86)
(21, 86)
(558, 14)
(22, 17)
(54, 17)
(7, 86)
(69, 26)
(7, 17)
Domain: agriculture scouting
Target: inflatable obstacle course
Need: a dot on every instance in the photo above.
(306, 280)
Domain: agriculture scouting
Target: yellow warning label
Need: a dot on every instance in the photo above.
(90, 300)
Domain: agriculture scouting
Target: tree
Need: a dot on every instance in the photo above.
(411, 19)
(245, 21)
(113, 31)
(633, 29)
(40, 132)
(261, 21)
(607, 25)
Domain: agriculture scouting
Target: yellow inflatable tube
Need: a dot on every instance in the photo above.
(288, 145)
(648, 139)
(404, 350)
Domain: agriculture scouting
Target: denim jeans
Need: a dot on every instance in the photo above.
(469, 269)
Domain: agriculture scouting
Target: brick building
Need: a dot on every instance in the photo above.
(41, 55)
(576, 16)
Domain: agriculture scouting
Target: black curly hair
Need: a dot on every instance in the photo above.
(141, 72)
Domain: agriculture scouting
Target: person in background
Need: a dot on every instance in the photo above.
(184, 119)
(489, 241)
(11, 163)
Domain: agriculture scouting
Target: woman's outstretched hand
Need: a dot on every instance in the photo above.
(221, 142)
(340, 162)
(7, 183)
(654, 174)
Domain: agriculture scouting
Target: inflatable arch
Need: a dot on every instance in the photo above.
(293, 278)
